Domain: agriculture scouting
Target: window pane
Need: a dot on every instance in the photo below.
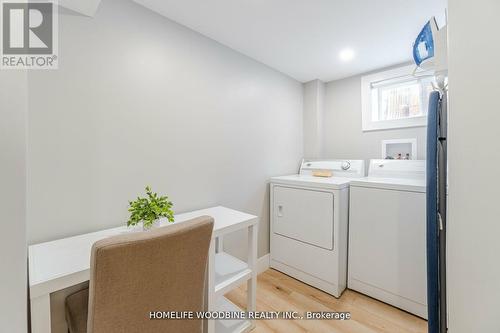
(400, 101)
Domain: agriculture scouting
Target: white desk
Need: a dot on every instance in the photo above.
(63, 263)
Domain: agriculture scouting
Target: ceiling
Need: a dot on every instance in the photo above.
(303, 38)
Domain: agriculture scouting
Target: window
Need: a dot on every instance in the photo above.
(395, 99)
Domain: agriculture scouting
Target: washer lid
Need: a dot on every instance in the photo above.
(311, 181)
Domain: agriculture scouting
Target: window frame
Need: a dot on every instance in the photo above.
(367, 109)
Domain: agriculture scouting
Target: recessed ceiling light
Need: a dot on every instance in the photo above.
(346, 54)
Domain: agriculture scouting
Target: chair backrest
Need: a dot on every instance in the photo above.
(159, 270)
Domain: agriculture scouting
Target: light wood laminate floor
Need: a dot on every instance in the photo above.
(279, 292)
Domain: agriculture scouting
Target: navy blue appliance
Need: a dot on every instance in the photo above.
(436, 211)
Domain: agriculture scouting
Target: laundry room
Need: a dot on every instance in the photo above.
(306, 166)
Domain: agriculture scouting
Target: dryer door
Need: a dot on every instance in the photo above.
(304, 215)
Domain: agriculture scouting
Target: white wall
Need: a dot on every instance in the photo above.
(13, 254)
(139, 100)
(314, 98)
(474, 159)
(343, 137)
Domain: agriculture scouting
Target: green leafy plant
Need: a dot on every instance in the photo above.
(148, 210)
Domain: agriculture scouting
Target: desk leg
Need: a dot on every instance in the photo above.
(40, 314)
(210, 290)
(219, 245)
(252, 263)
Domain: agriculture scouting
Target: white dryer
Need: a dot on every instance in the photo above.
(309, 223)
(387, 230)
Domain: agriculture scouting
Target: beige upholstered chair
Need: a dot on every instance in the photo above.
(134, 274)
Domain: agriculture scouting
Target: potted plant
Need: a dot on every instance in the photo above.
(149, 210)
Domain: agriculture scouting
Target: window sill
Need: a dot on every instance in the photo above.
(395, 124)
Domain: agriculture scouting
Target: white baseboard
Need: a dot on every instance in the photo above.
(263, 263)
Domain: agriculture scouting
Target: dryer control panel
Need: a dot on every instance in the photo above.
(338, 168)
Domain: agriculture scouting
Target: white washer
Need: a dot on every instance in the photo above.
(309, 223)
(387, 230)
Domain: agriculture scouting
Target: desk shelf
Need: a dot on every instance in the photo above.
(233, 325)
(230, 272)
